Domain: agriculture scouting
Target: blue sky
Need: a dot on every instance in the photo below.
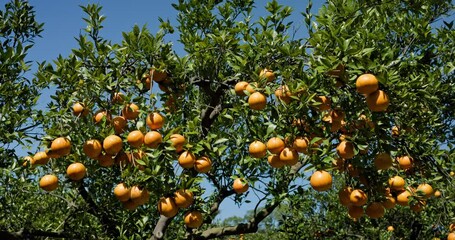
(63, 22)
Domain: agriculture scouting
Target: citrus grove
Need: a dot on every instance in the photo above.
(349, 128)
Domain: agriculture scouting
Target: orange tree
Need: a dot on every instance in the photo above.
(250, 109)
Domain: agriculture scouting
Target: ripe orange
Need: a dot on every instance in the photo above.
(378, 101)
(122, 192)
(61, 146)
(345, 149)
(76, 171)
(437, 193)
(275, 162)
(48, 182)
(119, 124)
(183, 198)
(187, 159)
(275, 145)
(135, 138)
(139, 195)
(240, 185)
(105, 160)
(268, 74)
(167, 207)
(375, 210)
(155, 120)
(389, 202)
(451, 236)
(390, 228)
(80, 110)
(366, 84)
(118, 97)
(130, 111)
(344, 196)
(426, 189)
(157, 76)
(383, 161)
(355, 211)
(112, 144)
(358, 197)
(289, 156)
(324, 103)
(257, 149)
(251, 87)
(402, 198)
(177, 141)
(396, 183)
(193, 219)
(40, 158)
(240, 87)
(321, 180)
(283, 93)
(301, 144)
(257, 101)
(100, 115)
(92, 148)
(405, 162)
(152, 139)
(203, 165)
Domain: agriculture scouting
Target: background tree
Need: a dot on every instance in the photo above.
(304, 94)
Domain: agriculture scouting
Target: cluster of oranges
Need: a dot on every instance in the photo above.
(181, 199)
(368, 85)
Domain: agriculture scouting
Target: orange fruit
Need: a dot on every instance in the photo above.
(48, 182)
(203, 165)
(240, 185)
(105, 160)
(275, 162)
(390, 228)
(275, 145)
(344, 196)
(321, 180)
(289, 156)
(257, 149)
(323, 103)
(301, 144)
(257, 101)
(268, 74)
(402, 198)
(155, 120)
(283, 93)
(130, 111)
(167, 207)
(375, 210)
(76, 171)
(135, 138)
(28, 160)
(355, 211)
(383, 161)
(405, 162)
(139, 195)
(40, 158)
(177, 141)
(389, 202)
(100, 115)
(426, 189)
(193, 219)
(240, 87)
(378, 101)
(452, 227)
(183, 198)
(437, 193)
(345, 150)
(152, 139)
(366, 84)
(92, 148)
(112, 144)
(396, 183)
(395, 131)
(80, 110)
(118, 97)
(451, 236)
(157, 76)
(251, 87)
(61, 146)
(358, 197)
(119, 124)
(187, 159)
(122, 192)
